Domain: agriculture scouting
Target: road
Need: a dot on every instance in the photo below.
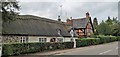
(103, 49)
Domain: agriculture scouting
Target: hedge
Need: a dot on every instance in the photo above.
(106, 39)
(87, 42)
(24, 48)
(118, 38)
(94, 41)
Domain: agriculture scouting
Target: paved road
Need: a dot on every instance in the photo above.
(103, 49)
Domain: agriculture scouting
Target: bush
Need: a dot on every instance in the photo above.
(118, 38)
(24, 48)
(100, 39)
(87, 41)
(106, 39)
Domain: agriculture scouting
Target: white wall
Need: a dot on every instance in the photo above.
(33, 39)
(67, 39)
(36, 38)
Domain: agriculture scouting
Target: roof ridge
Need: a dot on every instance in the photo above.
(32, 17)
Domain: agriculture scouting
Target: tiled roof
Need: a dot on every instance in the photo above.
(80, 23)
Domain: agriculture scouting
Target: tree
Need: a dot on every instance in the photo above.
(116, 29)
(115, 20)
(109, 21)
(109, 27)
(95, 24)
(104, 29)
(8, 10)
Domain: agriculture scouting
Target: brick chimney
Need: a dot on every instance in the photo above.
(59, 18)
(87, 15)
(69, 21)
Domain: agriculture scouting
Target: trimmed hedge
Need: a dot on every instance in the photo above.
(106, 39)
(118, 38)
(24, 48)
(94, 41)
(87, 42)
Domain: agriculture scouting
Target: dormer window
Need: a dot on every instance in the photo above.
(59, 32)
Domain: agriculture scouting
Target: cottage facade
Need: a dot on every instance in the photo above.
(82, 26)
(28, 28)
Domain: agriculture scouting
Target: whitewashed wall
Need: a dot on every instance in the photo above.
(36, 38)
(67, 39)
(33, 39)
(16, 39)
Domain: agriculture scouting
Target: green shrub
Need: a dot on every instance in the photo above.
(23, 48)
(106, 39)
(118, 38)
(7, 49)
(94, 41)
(87, 41)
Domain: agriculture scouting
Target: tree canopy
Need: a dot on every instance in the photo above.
(95, 24)
(9, 10)
(109, 27)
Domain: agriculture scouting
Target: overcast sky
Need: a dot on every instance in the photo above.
(75, 9)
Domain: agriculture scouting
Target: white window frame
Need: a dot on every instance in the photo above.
(59, 39)
(23, 40)
(42, 39)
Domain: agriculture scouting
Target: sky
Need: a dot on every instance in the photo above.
(75, 9)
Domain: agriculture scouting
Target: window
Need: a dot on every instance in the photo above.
(42, 40)
(23, 40)
(59, 39)
(52, 40)
(59, 32)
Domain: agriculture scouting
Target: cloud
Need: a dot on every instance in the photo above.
(51, 10)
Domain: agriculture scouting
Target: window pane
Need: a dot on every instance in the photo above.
(60, 40)
(45, 40)
(21, 41)
(39, 39)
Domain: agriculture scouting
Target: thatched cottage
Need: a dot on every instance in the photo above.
(29, 28)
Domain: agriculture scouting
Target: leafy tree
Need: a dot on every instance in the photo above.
(8, 10)
(95, 24)
(109, 27)
(109, 21)
(115, 20)
(103, 28)
(116, 27)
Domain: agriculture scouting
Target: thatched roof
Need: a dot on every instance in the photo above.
(33, 25)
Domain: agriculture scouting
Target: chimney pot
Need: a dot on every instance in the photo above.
(87, 15)
(71, 18)
(59, 18)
